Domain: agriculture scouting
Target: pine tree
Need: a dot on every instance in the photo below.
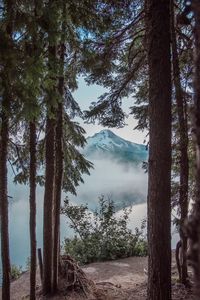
(7, 63)
(183, 139)
(33, 242)
(59, 157)
(51, 97)
(159, 186)
(194, 224)
(4, 198)
(34, 93)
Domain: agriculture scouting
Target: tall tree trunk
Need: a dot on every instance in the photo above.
(49, 176)
(58, 191)
(32, 172)
(59, 171)
(48, 206)
(33, 243)
(159, 186)
(4, 199)
(184, 162)
(194, 224)
(4, 137)
(49, 195)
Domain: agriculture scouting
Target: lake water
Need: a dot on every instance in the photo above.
(99, 179)
(19, 225)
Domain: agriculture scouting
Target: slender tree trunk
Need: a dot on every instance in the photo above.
(194, 224)
(184, 161)
(48, 206)
(33, 243)
(49, 194)
(49, 178)
(33, 173)
(177, 256)
(159, 186)
(4, 137)
(59, 171)
(58, 191)
(4, 200)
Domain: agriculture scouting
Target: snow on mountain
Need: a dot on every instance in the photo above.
(107, 144)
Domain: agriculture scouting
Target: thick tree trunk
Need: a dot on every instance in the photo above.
(159, 187)
(33, 243)
(59, 172)
(194, 224)
(4, 200)
(184, 161)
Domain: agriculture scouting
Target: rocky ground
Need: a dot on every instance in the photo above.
(121, 280)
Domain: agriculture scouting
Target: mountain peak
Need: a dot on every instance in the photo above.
(106, 143)
(106, 133)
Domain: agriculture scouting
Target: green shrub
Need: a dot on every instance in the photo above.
(101, 236)
(28, 263)
(16, 271)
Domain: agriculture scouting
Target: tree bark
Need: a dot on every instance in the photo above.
(58, 191)
(40, 262)
(194, 224)
(59, 171)
(49, 193)
(48, 206)
(4, 137)
(33, 243)
(177, 256)
(4, 200)
(159, 186)
(184, 161)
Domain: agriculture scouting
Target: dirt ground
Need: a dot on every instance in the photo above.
(123, 279)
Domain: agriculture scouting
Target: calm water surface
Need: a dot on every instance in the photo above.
(19, 223)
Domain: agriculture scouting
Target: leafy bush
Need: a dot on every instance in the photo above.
(16, 271)
(101, 235)
(28, 263)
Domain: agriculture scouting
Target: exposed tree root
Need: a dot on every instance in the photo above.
(73, 278)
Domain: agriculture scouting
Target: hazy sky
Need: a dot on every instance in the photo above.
(85, 94)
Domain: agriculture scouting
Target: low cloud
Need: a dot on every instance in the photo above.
(124, 183)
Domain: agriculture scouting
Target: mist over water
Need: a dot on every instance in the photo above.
(123, 183)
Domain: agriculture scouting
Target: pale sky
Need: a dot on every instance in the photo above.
(85, 94)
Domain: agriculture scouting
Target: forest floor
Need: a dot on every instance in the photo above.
(123, 279)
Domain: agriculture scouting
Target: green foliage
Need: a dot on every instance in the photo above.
(16, 271)
(28, 263)
(116, 60)
(102, 235)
